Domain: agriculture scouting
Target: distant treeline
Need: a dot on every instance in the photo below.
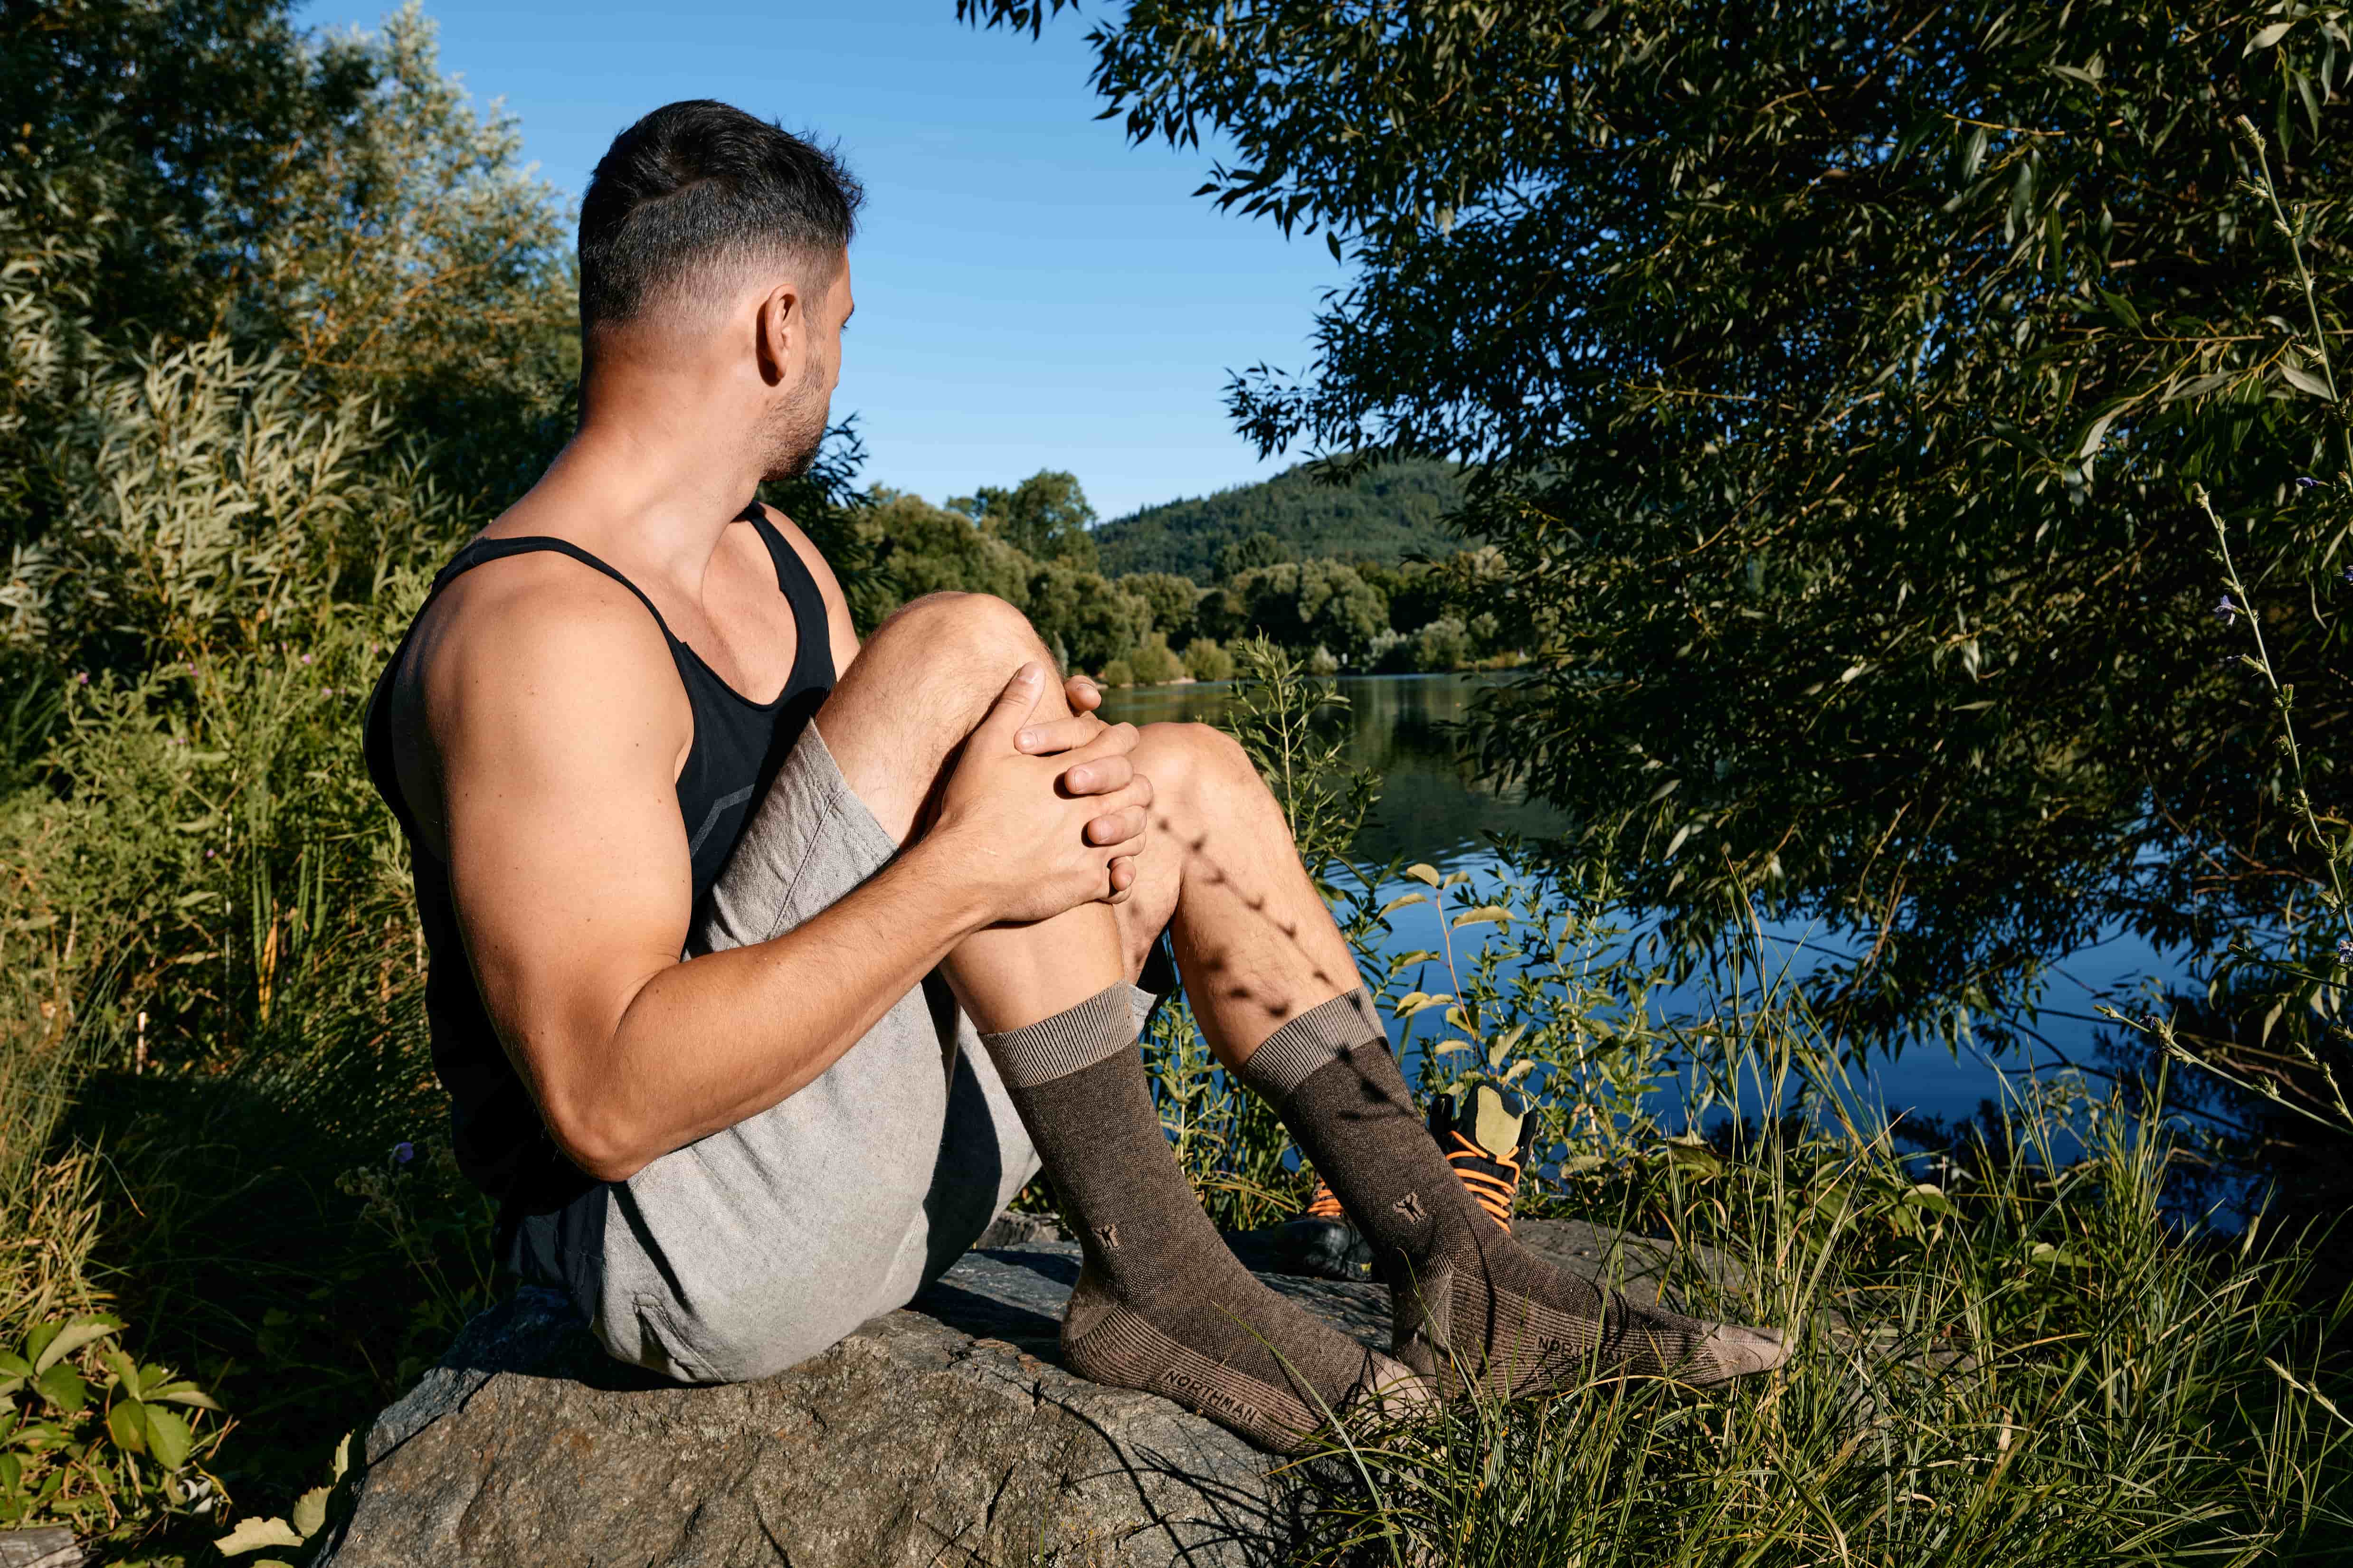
(1033, 545)
(1387, 515)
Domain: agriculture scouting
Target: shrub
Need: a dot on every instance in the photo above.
(1118, 672)
(1206, 658)
(1390, 652)
(1444, 644)
(1152, 664)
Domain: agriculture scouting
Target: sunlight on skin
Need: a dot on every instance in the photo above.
(1253, 938)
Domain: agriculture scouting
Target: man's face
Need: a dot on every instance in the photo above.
(802, 409)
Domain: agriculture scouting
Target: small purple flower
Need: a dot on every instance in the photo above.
(306, 658)
(2306, 482)
(2348, 573)
(403, 1151)
(208, 854)
(81, 678)
(2227, 611)
(2344, 949)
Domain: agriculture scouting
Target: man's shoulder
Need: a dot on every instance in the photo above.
(543, 608)
(538, 639)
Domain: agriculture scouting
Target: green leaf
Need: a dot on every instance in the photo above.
(253, 1535)
(2096, 432)
(1414, 1001)
(2268, 37)
(168, 1437)
(1421, 872)
(62, 1386)
(1398, 904)
(1930, 1196)
(188, 1394)
(125, 1370)
(2303, 380)
(2051, 1256)
(310, 1512)
(1485, 914)
(126, 1423)
(1694, 1155)
(72, 1337)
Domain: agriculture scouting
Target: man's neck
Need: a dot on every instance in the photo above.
(650, 481)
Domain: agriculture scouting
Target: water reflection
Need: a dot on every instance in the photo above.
(1431, 809)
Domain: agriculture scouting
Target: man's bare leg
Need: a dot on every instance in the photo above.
(1276, 991)
(1161, 1303)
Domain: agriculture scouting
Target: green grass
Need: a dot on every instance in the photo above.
(2031, 1361)
(2030, 1366)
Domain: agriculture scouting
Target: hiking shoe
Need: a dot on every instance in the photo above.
(1319, 1242)
(1485, 1132)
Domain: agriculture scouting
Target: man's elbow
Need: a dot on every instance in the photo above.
(603, 1146)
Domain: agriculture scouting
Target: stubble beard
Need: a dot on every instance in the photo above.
(795, 434)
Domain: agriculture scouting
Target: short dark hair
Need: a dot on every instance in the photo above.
(693, 184)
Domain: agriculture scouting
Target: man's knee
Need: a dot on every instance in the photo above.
(1189, 762)
(913, 692)
(961, 629)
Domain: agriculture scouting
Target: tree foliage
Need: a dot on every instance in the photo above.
(1838, 375)
(337, 199)
(1385, 516)
(1046, 516)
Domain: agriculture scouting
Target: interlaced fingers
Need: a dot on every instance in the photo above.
(1478, 1170)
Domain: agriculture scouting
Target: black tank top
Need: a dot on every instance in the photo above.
(739, 744)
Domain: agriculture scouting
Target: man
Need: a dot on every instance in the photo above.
(633, 723)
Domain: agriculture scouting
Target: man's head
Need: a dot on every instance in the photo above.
(712, 236)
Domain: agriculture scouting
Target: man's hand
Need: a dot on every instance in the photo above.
(1047, 832)
(1044, 740)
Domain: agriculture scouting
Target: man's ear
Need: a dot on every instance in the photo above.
(783, 328)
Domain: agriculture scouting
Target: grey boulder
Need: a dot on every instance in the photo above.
(944, 1432)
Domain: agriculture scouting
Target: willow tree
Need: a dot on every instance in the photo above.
(1839, 377)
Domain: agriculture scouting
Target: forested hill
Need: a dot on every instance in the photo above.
(1385, 516)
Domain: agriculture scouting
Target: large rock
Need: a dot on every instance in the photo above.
(943, 1432)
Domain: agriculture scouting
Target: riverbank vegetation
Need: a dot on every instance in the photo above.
(1033, 545)
(282, 320)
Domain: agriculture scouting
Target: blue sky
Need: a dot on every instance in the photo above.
(1033, 292)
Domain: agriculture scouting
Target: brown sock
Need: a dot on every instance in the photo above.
(1465, 1295)
(1161, 1303)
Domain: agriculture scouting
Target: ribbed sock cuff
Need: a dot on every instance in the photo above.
(1070, 1041)
(1315, 1039)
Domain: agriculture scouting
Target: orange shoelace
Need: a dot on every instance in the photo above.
(1489, 1191)
(1492, 1193)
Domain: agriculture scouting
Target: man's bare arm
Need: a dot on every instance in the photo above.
(555, 725)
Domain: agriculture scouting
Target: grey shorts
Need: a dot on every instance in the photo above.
(756, 1248)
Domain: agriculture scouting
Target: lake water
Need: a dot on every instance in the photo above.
(1431, 810)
